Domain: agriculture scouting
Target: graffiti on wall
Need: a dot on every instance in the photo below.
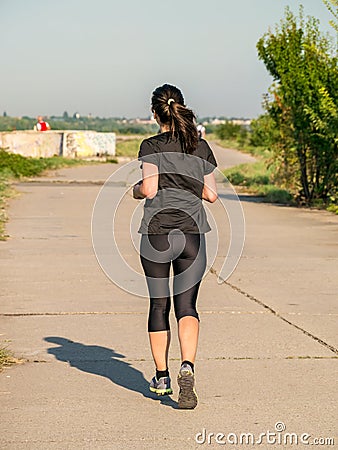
(88, 143)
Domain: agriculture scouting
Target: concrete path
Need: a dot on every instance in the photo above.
(227, 157)
(268, 342)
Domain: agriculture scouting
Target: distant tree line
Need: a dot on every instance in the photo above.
(79, 123)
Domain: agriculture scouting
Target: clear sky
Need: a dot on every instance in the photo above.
(105, 57)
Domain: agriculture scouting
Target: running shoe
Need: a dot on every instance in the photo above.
(187, 398)
(161, 386)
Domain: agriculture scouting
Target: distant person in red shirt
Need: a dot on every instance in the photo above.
(42, 125)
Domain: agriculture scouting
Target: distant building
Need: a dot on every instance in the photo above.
(147, 121)
(243, 122)
(217, 122)
(235, 121)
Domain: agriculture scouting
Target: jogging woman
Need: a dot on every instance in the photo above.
(177, 173)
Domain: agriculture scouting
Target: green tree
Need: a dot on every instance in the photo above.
(303, 105)
(332, 6)
(263, 131)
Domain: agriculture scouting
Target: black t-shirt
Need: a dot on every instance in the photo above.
(178, 202)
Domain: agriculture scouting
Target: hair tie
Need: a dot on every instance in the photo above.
(170, 101)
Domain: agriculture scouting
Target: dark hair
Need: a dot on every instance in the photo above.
(168, 103)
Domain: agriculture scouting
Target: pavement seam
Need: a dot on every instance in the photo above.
(113, 313)
(275, 313)
(70, 313)
(69, 183)
(215, 358)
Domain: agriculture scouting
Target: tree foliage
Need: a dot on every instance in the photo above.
(332, 6)
(303, 105)
(263, 131)
(231, 131)
(228, 130)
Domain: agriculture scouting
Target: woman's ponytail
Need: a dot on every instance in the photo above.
(168, 103)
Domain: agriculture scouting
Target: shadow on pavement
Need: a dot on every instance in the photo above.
(104, 362)
(242, 197)
(251, 198)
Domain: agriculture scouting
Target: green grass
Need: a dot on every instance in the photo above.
(129, 147)
(13, 165)
(255, 178)
(333, 208)
(249, 174)
(245, 147)
(5, 192)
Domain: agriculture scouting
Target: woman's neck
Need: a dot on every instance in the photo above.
(164, 128)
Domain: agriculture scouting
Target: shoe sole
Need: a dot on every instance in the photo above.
(187, 398)
(161, 391)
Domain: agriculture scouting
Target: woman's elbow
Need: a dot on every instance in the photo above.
(209, 196)
(212, 197)
(149, 193)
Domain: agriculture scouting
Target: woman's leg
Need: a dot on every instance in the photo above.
(157, 274)
(159, 344)
(188, 329)
(189, 268)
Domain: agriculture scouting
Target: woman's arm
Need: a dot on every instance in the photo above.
(209, 189)
(148, 187)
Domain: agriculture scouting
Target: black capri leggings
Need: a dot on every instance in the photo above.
(187, 254)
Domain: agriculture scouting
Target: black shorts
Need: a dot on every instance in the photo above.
(186, 253)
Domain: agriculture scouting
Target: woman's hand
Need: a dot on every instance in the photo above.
(136, 191)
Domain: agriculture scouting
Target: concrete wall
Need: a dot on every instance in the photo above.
(71, 144)
(88, 143)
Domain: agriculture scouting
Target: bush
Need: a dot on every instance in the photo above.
(258, 179)
(333, 208)
(263, 131)
(14, 165)
(228, 130)
(249, 174)
(273, 194)
(18, 165)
